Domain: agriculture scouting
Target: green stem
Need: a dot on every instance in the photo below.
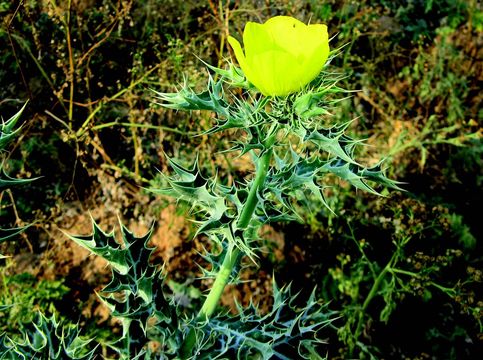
(405, 272)
(229, 262)
(370, 296)
(446, 290)
(233, 254)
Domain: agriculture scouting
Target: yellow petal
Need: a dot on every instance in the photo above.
(256, 39)
(276, 73)
(245, 66)
(317, 45)
(286, 33)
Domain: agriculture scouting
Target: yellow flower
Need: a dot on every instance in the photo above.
(282, 55)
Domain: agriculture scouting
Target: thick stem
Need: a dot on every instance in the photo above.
(229, 262)
(233, 254)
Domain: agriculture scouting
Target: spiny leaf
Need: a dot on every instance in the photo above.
(334, 141)
(293, 174)
(47, 338)
(242, 114)
(307, 104)
(6, 234)
(220, 205)
(7, 134)
(358, 175)
(376, 174)
(136, 292)
(285, 332)
(7, 182)
(105, 246)
(234, 76)
(212, 99)
(7, 131)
